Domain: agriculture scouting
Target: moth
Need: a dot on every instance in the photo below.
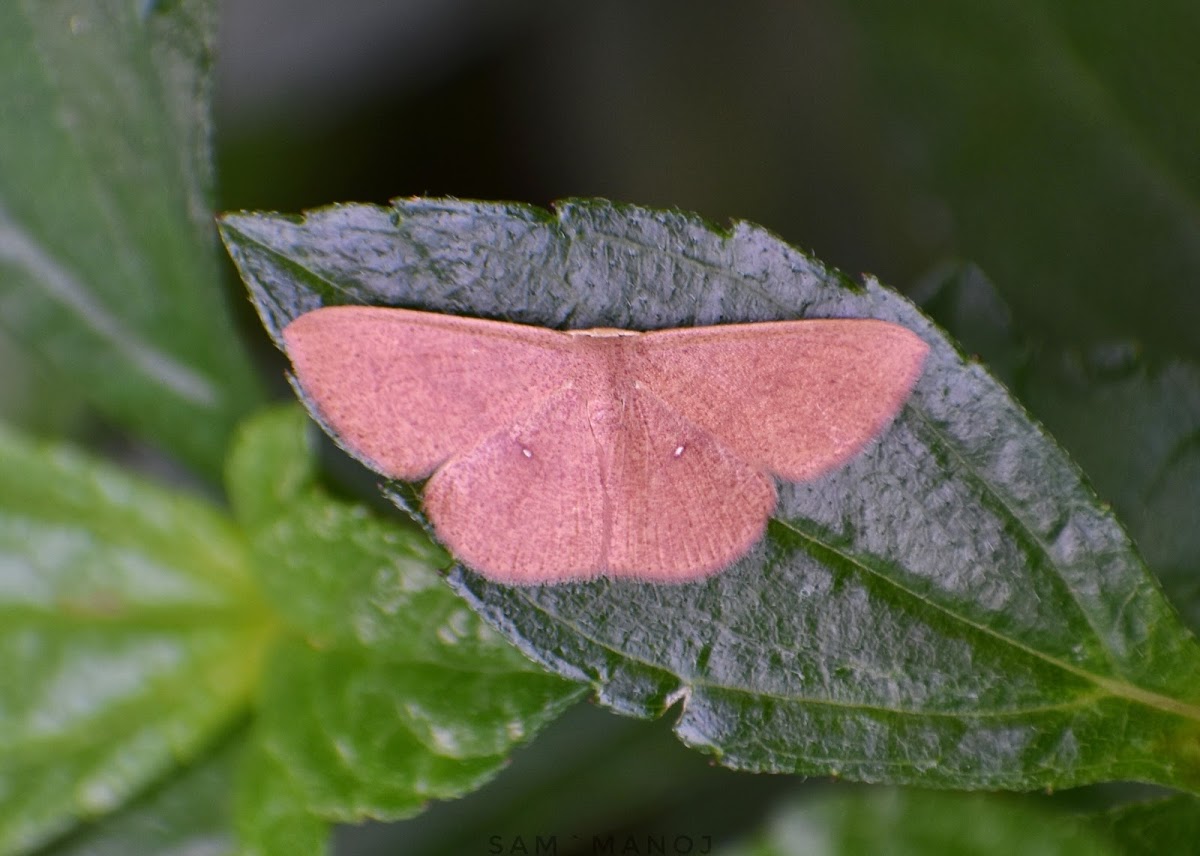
(555, 456)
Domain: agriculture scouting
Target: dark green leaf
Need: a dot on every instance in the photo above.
(586, 773)
(1132, 423)
(130, 632)
(953, 607)
(393, 692)
(1060, 140)
(187, 815)
(903, 822)
(1166, 825)
(962, 299)
(107, 263)
(1134, 427)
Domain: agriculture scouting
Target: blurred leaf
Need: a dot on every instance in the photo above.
(900, 822)
(1133, 423)
(392, 693)
(953, 607)
(30, 398)
(271, 816)
(586, 773)
(130, 632)
(373, 736)
(1061, 137)
(1167, 825)
(270, 465)
(107, 263)
(188, 815)
(334, 571)
(1134, 426)
(962, 299)
(339, 574)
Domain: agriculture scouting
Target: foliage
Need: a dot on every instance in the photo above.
(237, 668)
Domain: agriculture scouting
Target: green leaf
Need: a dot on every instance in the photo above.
(1134, 426)
(130, 633)
(107, 263)
(340, 575)
(902, 822)
(1132, 422)
(31, 399)
(368, 735)
(1165, 825)
(390, 692)
(963, 300)
(187, 814)
(1060, 139)
(270, 464)
(334, 571)
(590, 772)
(271, 816)
(953, 607)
